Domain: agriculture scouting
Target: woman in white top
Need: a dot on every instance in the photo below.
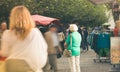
(23, 45)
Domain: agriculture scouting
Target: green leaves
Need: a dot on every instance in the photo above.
(68, 11)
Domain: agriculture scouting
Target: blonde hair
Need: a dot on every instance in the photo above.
(3, 23)
(21, 22)
(73, 27)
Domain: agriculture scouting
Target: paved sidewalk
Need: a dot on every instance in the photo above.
(87, 64)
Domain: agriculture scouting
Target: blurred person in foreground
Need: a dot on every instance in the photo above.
(73, 42)
(23, 45)
(54, 47)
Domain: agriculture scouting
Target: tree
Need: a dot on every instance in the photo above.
(7, 5)
(68, 11)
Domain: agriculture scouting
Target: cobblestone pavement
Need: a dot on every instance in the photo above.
(87, 64)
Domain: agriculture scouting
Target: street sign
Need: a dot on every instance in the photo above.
(115, 50)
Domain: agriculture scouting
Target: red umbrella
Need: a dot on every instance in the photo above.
(42, 20)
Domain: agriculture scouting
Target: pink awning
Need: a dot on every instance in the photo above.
(43, 20)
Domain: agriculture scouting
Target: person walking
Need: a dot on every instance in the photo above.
(23, 44)
(61, 38)
(53, 47)
(73, 42)
(3, 27)
(84, 44)
(85, 38)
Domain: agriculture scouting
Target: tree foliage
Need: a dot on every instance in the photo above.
(68, 11)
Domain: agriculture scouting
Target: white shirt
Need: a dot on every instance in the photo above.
(55, 39)
(33, 49)
(61, 36)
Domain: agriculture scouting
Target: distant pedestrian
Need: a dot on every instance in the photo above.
(73, 43)
(84, 44)
(61, 38)
(3, 27)
(23, 45)
(67, 32)
(115, 32)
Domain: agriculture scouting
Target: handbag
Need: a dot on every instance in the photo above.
(68, 53)
(59, 55)
(2, 65)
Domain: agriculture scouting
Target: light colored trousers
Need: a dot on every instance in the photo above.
(74, 62)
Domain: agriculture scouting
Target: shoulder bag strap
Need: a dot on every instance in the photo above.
(70, 41)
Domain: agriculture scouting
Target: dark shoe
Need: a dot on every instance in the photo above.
(51, 68)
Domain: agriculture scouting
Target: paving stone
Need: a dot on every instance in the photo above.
(86, 62)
